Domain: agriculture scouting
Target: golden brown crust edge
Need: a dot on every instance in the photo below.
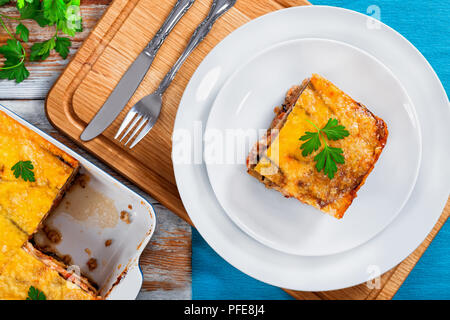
(280, 117)
(80, 281)
(40, 141)
(382, 139)
(55, 151)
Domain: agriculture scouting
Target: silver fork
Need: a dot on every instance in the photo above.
(144, 114)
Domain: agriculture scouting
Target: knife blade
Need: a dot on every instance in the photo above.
(118, 98)
(130, 81)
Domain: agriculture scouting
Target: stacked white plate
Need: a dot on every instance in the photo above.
(282, 241)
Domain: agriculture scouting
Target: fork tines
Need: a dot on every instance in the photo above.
(137, 122)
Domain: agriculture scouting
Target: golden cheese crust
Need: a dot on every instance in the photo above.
(10, 127)
(277, 160)
(61, 268)
(11, 240)
(28, 203)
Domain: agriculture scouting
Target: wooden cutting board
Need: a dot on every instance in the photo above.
(112, 46)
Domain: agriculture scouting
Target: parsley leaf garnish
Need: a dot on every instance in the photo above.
(14, 71)
(12, 49)
(13, 67)
(327, 158)
(22, 32)
(35, 294)
(54, 10)
(62, 46)
(21, 3)
(35, 12)
(24, 169)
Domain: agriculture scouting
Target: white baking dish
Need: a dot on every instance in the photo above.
(117, 274)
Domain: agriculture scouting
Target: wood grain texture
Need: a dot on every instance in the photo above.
(166, 261)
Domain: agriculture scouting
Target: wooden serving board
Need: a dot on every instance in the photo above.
(117, 39)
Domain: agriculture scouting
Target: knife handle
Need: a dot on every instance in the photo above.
(218, 8)
(178, 11)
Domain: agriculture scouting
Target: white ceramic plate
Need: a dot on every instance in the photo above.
(244, 107)
(401, 236)
(117, 274)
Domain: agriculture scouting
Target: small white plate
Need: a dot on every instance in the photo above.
(244, 107)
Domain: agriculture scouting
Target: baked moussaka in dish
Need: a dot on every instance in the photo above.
(23, 201)
(11, 240)
(24, 271)
(34, 175)
(320, 147)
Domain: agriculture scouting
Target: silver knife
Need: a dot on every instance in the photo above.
(130, 81)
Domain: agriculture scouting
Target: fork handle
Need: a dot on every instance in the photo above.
(175, 15)
(218, 8)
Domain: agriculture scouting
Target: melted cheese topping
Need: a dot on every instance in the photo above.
(24, 271)
(296, 176)
(18, 143)
(11, 240)
(50, 171)
(27, 203)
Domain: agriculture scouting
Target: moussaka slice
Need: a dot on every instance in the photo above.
(33, 174)
(277, 159)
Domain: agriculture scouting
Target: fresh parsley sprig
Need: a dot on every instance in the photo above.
(24, 169)
(64, 15)
(327, 159)
(35, 294)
